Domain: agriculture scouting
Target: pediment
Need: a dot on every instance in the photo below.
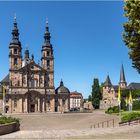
(32, 66)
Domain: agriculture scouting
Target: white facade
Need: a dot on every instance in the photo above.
(76, 100)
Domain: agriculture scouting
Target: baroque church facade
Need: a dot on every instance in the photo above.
(110, 92)
(30, 86)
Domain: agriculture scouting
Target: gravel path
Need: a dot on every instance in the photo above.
(70, 126)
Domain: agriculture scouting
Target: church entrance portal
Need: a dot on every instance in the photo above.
(56, 109)
(33, 104)
(32, 108)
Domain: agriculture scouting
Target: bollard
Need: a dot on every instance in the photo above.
(113, 122)
(102, 124)
(107, 124)
(98, 125)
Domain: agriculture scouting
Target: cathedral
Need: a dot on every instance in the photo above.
(29, 87)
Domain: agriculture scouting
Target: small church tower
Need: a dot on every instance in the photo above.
(108, 82)
(107, 85)
(122, 82)
(47, 57)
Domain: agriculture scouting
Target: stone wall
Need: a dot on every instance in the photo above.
(9, 128)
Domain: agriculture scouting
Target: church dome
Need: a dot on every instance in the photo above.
(62, 89)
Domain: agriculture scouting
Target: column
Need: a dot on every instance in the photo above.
(20, 103)
(25, 105)
(38, 104)
(43, 105)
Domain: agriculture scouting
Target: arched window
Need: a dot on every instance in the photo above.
(18, 83)
(24, 80)
(15, 61)
(15, 51)
(63, 102)
(41, 80)
(48, 63)
(48, 53)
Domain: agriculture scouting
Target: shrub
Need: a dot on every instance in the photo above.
(4, 120)
(130, 116)
(113, 109)
(136, 105)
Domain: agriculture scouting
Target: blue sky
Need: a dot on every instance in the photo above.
(86, 37)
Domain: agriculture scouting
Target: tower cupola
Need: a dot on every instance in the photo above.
(47, 36)
(15, 33)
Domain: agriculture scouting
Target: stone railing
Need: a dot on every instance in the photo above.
(9, 128)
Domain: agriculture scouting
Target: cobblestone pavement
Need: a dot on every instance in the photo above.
(69, 126)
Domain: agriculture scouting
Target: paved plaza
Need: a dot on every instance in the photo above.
(70, 126)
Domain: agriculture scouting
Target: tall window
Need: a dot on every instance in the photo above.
(32, 80)
(15, 61)
(18, 83)
(63, 102)
(48, 53)
(41, 80)
(15, 51)
(24, 80)
(36, 83)
(48, 62)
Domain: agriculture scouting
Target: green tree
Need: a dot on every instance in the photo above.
(89, 98)
(96, 93)
(131, 33)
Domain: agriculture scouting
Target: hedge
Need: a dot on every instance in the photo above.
(130, 116)
(4, 120)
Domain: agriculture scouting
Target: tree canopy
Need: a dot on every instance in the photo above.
(131, 32)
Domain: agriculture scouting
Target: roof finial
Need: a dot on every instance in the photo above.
(32, 57)
(15, 17)
(61, 83)
(47, 20)
(27, 46)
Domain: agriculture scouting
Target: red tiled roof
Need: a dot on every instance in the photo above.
(76, 94)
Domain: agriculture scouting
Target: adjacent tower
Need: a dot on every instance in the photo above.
(122, 82)
(15, 49)
(47, 57)
(26, 57)
(15, 57)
